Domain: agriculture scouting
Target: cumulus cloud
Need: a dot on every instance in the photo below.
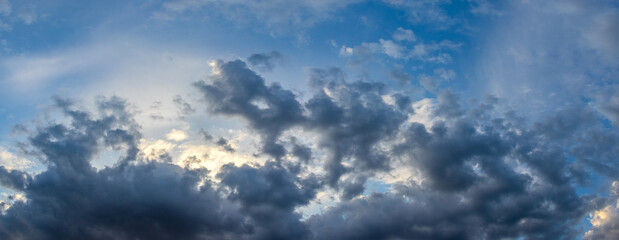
(269, 109)
(176, 135)
(470, 169)
(404, 46)
(141, 200)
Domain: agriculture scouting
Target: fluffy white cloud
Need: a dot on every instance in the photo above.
(12, 161)
(176, 135)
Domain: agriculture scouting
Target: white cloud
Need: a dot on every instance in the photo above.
(11, 161)
(605, 222)
(445, 74)
(5, 7)
(402, 34)
(176, 135)
(391, 48)
(423, 112)
(346, 51)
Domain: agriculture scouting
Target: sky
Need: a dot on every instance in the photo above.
(309, 119)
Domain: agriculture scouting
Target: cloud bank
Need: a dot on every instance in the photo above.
(473, 170)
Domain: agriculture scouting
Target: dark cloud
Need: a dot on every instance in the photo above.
(350, 123)
(470, 188)
(403, 102)
(72, 200)
(268, 195)
(448, 105)
(14, 179)
(472, 147)
(223, 143)
(353, 187)
(135, 199)
(351, 120)
(484, 213)
(302, 152)
(238, 91)
(477, 171)
(264, 61)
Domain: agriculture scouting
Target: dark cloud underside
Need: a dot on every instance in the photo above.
(480, 173)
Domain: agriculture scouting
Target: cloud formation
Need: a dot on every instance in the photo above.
(472, 170)
(264, 61)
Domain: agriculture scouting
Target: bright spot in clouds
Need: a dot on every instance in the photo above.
(176, 135)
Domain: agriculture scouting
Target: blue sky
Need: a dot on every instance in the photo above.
(437, 100)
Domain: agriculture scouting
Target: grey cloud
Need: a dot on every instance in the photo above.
(71, 199)
(609, 104)
(136, 199)
(565, 122)
(351, 123)
(471, 189)
(353, 187)
(14, 179)
(488, 212)
(448, 105)
(300, 151)
(223, 143)
(606, 220)
(156, 117)
(402, 34)
(403, 78)
(326, 77)
(269, 195)
(238, 91)
(484, 172)
(403, 102)
(444, 155)
(184, 108)
(265, 61)
(427, 82)
(205, 135)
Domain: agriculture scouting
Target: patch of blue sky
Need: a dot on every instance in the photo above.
(375, 186)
